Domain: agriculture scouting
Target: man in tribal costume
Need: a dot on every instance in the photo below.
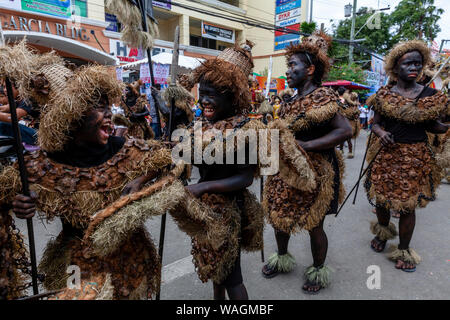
(404, 174)
(90, 180)
(349, 108)
(226, 218)
(309, 184)
(134, 105)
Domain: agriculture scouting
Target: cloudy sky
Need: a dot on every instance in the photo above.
(324, 10)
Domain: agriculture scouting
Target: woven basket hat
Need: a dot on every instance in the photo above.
(51, 78)
(240, 57)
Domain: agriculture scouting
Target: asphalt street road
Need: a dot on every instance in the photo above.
(349, 254)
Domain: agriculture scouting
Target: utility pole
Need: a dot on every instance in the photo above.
(311, 11)
(352, 34)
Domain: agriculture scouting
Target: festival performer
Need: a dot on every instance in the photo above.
(183, 100)
(227, 218)
(134, 104)
(256, 94)
(32, 75)
(90, 180)
(349, 108)
(404, 174)
(309, 184)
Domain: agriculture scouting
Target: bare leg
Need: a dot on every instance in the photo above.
(219, 292)
(319, 248)
(282, 239)
(383, 216)
(282, 242)
(406, 228)
(350, 145)
(238, 292)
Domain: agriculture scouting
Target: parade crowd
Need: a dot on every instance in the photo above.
(98, 159)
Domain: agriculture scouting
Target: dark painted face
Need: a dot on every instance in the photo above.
(298, 72)
(409, 66)
(216, 104)
(97, 126)
(286, 97)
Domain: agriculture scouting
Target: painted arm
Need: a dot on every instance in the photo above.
(387, 139)
(239, 181)
(437, 127)
(341, 131)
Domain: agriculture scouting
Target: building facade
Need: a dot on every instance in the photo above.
(82, 31)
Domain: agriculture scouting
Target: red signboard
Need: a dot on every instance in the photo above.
(294, 27)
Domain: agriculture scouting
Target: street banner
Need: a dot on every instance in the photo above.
(294, 27)
(218, 33)
(58, 8)
(288, 14)
(119, 74)
(288, 22)
(160, 73)
(277, 84)
(288, 6)
(283, 41)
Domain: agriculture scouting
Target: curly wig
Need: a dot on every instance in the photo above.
(403, 48)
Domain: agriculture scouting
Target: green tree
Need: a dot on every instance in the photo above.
(308, 27)
(377, 39)
(416, 19)
(345, 72)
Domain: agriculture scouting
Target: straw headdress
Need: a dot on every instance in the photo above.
(229, 71)
(37, 76)
(130, 17)
(317, 45)
(81, 94)
(403, 48)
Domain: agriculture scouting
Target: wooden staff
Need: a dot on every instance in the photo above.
(24, 180)
(173, 83)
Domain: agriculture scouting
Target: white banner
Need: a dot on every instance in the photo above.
(288, 22)
(288, 15)
(218, 33)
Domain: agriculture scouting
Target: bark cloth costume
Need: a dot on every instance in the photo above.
(309, 184)
(224, 223)
(406, 175)
(103, 232)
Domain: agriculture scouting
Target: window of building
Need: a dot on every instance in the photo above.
(80, 7)
(198, 41)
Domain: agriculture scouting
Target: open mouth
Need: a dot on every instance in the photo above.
(208, 112)
(105, 129)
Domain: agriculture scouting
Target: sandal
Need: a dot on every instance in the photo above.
(400, 267)
(377, 244)
(269, 272)
(310, 284)
(278, 264)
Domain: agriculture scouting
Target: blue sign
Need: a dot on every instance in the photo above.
(289, 6)
(281, 2)
(113, 25)
(282, 42)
